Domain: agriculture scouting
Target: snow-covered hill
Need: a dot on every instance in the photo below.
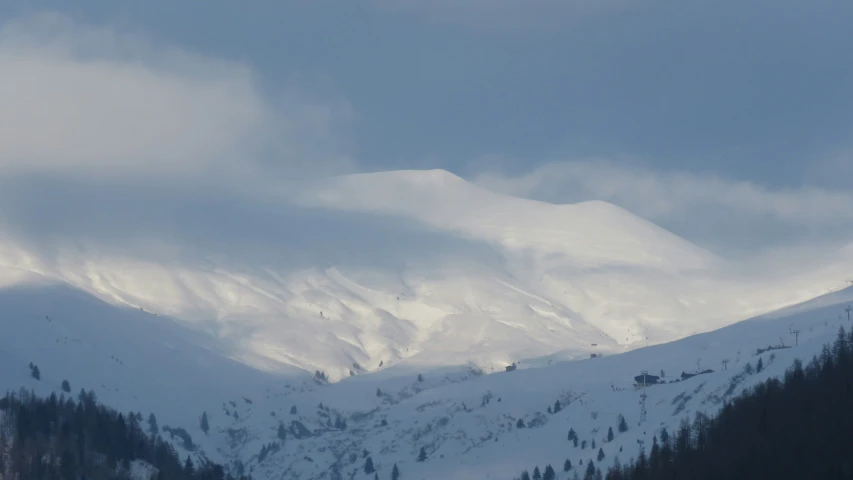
(358, 273)
(466, 420)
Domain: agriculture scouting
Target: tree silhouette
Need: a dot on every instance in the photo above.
(567, 465)
(368, 466)
(609, 434)
(549, 473)
(395, 473)
(205, 427)
(422, 456)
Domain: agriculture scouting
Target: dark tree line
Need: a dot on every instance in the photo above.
(798, 427)
(57, 438)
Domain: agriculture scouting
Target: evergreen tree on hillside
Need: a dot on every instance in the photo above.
(567, 465)
(557, 406)
(293, 410)
(572, 434)
(368, 466)
(549, 474)
(282, 432)
(205, 426)
(600, 454)
(519, 423)
(575, 441)
(537, 475)
(760, 366)
(623, 425)
(609, 434)
(35, 372)
(590, 470)
(395, 473)
(66, 387)
(787, 428)
(525, 475)
(422, 456)
(153, 429)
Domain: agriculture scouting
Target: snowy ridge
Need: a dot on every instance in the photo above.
(418, 267)
(466, 420)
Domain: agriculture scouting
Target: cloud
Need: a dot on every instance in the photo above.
(91, 101)
(709, 209)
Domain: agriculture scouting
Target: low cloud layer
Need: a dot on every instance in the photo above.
(90, 101)
(716, 209)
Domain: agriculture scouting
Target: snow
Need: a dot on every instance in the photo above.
(136, 361)
(422, 267)
(481, 280)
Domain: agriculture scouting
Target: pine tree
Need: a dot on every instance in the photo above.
(583, 445)
(609, 434)
(282, 432)
(395, 473)
(205, 427)
(593, 444)
(525, 475)
(557, 406)
(537, 475)
(153, 429)
(590, 470)
(422, 456)
(420, 378)
(293, 410)
(623, 425)
(519, 423)
(549, 474)
(188, 466)
(572, 434)
(575, 440)
(760, 366)
(378, 392)
(368, 466)
(376, 476)
(66, 387)
(600, 454)
(567, 465)
(35, 372)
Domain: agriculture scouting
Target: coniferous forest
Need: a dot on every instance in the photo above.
(798, 427)
(57, 438)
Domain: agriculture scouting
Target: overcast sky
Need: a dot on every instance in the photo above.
(728, 122)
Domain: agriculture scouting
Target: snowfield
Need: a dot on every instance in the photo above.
(465, 419)
(410, 292)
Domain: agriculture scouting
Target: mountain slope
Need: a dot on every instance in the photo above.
(465, 420)
(358, 273)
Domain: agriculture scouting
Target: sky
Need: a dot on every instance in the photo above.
(726, 122)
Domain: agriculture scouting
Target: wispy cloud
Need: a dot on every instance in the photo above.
(662, 194)
(90, 101)
(709, 209)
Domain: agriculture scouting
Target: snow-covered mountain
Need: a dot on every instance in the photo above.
(411, 291)
(469, 423)
(357, 273)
